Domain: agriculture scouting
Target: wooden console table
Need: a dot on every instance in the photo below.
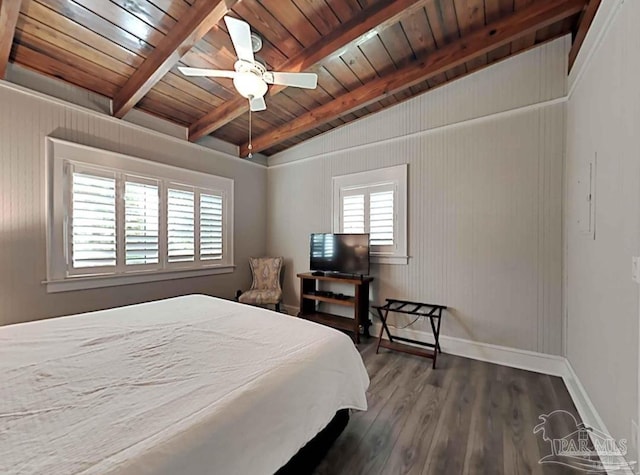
(310, 294)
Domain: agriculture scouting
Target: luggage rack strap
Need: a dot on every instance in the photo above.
(419, 308)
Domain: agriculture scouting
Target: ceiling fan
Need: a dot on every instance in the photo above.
(251, 77)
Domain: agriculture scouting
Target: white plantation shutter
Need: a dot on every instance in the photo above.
(180, 225)
(92, 221)
(370, 209)
(142, 220)
(353, 214)
(381, 218)
(210, 226)
(374, 202)
(119, 220)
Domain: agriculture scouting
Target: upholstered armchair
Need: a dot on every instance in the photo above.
(265, 288)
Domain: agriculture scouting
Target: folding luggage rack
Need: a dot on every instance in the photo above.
(418, 309)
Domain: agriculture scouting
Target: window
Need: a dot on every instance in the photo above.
(115, 219)
(141, 222)
(374, 202)
(181, 225)
(210, 226)
(93, 220)
(353, 215)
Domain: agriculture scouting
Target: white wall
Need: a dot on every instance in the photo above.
(485, 199)
(603, 117)
(90, 100)
(26, 118)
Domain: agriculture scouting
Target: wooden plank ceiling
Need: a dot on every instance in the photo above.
(368, 54)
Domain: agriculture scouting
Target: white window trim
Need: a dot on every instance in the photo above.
(397, 176)
(60, 153)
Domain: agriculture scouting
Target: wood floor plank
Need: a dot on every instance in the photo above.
(484, 445)
(448, 448)
(520, 446)
(376, 446)
(419, 428)
(382, 387)
(541, 393)
(465, 417)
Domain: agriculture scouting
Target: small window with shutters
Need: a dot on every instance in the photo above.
(375, 202)
(115, 219)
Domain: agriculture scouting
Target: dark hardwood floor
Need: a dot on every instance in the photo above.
(465, 417)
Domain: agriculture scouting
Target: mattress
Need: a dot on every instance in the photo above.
(189, 385)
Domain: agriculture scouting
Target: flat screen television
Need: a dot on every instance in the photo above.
(340, 253)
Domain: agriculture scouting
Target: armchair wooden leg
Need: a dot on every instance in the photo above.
(278, 307)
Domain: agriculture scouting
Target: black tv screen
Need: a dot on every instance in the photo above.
(340, 253)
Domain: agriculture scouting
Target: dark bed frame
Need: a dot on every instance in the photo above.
(310, 456)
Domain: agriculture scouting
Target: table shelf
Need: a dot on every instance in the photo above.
(335, 321)
(348, 302)
(359, 303)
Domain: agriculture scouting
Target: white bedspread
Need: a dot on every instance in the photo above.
(190, 385)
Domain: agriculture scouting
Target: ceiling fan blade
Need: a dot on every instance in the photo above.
(257, 104)
(240, 37)
(213, 73)
(304, 80)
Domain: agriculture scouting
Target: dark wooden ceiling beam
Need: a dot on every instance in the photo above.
(9, 12)
(583, 27)
(368, 22)
(526, 21)
(198, 20)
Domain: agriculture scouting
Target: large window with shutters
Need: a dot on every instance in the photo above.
(115, 219)
(374, 202)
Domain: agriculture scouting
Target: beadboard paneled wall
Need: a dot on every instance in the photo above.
(603, 118)
(25, 120)
(90, 100)
(485, 199)
(530, 78)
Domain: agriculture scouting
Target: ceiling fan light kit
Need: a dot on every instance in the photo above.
(249, 85)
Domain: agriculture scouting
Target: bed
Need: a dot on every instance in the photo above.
(188, 385)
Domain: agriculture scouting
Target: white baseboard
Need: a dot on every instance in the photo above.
(290, 309)
(588, 412)
(581, 399)
(502, 355)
